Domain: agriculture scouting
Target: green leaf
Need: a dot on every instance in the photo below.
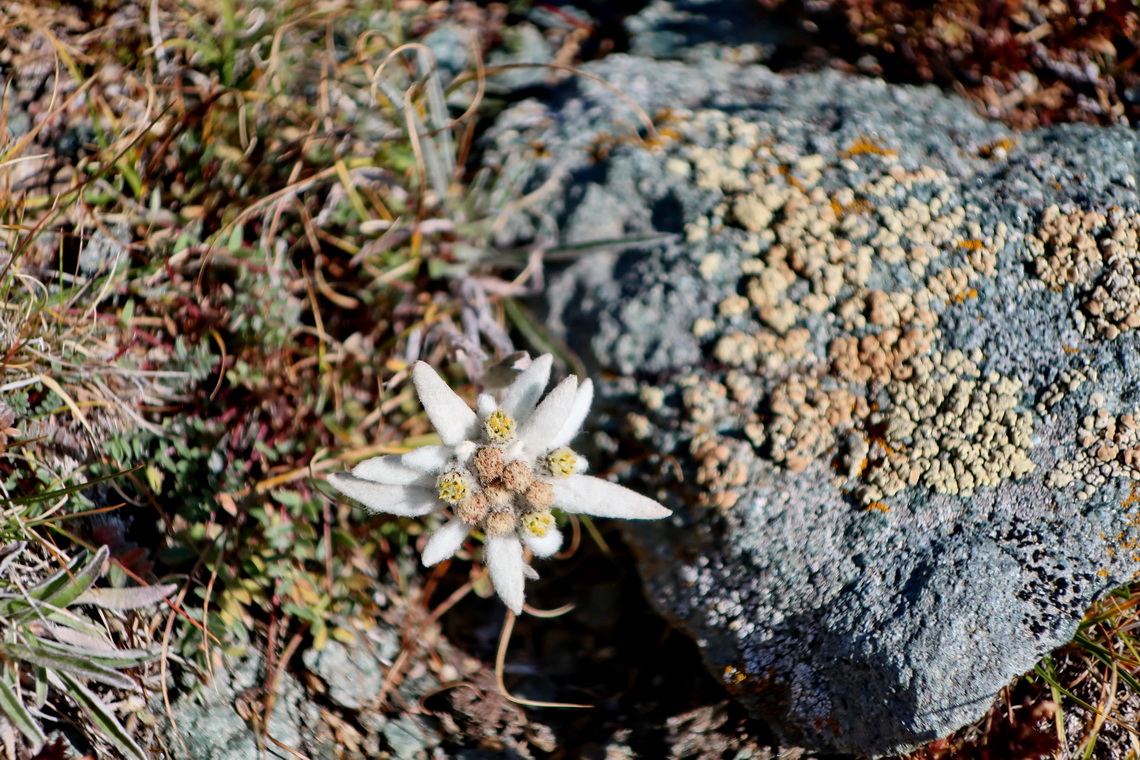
(102, 716)
(19, 716)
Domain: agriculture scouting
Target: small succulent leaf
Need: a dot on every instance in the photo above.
(58, 661)
(445, 542)
(449, 414)
(126, 598)
(503, 556)
(40, 682)
(576, 418)
(439, 117)
(523, 394)
(102, 716)
(393, 93)
(405, 501)
(541, 427)
(390, 470)
(593, 496)
(126, 658)
(17, 713)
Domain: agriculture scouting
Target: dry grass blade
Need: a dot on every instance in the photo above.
(500, 660)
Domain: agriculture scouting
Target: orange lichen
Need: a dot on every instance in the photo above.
(880, 506)
(997, 148)
(961, 298)
(865, 145)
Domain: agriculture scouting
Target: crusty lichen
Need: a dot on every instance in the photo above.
(810, 251)
(1096, 254)
(1109, 447)
(950, 429)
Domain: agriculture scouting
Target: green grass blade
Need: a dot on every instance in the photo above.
(65, 587)
(521, 318)
(437, 112)
(61, 662)
(1108, 657)
(119, 658)
(102, 716)
(41, 497)
(18, 715)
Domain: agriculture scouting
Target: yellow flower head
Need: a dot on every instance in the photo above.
(538, 524)
(453, 487)
(499, 426)
(562, 462)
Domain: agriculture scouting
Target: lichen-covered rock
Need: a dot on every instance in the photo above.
(887, 374)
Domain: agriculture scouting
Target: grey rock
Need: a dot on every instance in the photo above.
(406, 738)
(208, 720)
(451, 49)
(834, 549)
(352, 673)
(691, 30)
(523, 43)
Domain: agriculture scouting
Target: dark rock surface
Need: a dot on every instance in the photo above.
(885, 374)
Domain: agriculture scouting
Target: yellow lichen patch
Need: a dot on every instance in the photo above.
(951, 429)
(960, 298)
(878, 357)
(879, 506)
(721, 470)
(805, 420)
(732, 675)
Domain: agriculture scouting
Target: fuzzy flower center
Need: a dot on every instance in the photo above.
(562, 462)
(499, 523)
(453, 487)
(499, 427)
(538, 524)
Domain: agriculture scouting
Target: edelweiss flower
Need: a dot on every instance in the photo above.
(501, 470)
